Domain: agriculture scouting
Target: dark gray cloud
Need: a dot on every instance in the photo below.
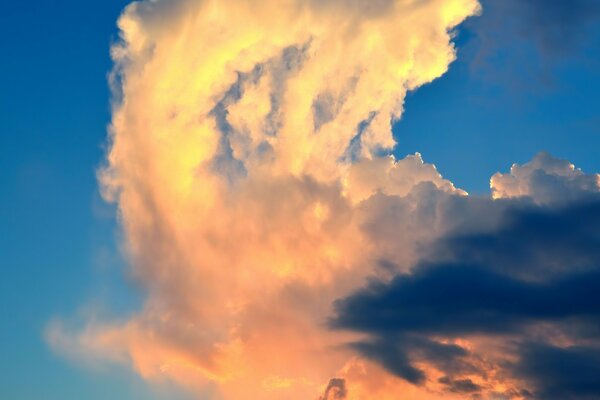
(460, 385)
(464, 299)
(390, 350)
(561, 373)
(336, 390)
(540, 267)
(533, 243)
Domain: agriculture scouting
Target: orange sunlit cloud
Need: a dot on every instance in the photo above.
(245, 160)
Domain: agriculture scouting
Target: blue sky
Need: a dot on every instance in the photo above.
(508, 96)
(54, 110)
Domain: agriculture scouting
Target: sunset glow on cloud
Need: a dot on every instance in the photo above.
(283, 252)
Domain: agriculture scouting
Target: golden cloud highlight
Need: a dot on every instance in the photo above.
(246, 137)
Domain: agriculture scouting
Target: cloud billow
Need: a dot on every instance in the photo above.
(249, 160)
(530, 281)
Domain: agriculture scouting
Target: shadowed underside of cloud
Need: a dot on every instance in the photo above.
(336, 390)
(532, 285)
(561, 372)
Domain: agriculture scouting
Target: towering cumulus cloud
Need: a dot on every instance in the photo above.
(285, 254)
(249, 159)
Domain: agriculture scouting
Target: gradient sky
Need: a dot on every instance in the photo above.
(526, 80)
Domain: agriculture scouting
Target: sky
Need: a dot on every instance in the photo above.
(238, 215)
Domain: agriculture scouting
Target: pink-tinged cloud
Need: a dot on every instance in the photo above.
(245, 160)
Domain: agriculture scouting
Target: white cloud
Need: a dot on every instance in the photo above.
(545, 180)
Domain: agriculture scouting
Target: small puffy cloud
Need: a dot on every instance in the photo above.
(394, 178)
(336, 390)
(545, 179)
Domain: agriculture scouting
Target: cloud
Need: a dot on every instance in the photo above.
(544, 179)
(460, 385)
(249, 162)
(496, 295)
(569, 372)
(489, 301)
(395, 178)
(336, 390)
(243, 141)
